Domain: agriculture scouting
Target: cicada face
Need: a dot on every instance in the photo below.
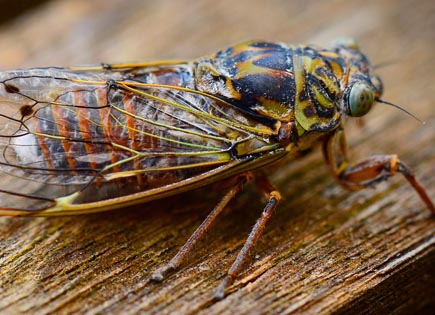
(363, 86)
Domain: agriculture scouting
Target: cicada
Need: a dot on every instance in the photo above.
(88, 139)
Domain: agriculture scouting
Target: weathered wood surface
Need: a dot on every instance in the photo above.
(325, 250)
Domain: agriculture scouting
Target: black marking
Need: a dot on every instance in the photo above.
(10, 88)
(279, 88)
(309, 52)
(326, 92)
(303, 96)
(106, 66)
(26, 110)
(275, 60)
(322, 111)
(113, 84)
(14, 193)
(268, 45)
(309, 111)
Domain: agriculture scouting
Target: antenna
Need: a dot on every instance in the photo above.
(402, 109)
(385, 64)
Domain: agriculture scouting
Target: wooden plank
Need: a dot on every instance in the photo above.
(325, 250)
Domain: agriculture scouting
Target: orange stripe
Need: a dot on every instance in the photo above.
(106, 124)
(130, 122)
(84, 125)
(42, 142)
(62, 128)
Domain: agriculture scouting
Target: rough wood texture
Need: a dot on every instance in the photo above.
(325, 251)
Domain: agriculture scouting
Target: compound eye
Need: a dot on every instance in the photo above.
(361, 99)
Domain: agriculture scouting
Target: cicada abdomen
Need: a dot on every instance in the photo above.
(105, 134)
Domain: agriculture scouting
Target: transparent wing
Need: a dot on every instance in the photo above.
(95, 135)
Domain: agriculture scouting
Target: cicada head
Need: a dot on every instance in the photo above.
(363, 86)
(304, 84)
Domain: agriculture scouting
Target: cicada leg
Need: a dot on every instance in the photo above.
(178, 259)
(369, 171)
(274, 198)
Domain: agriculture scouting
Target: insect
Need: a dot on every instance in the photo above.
(88, 139)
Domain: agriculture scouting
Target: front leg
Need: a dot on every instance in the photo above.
(369, 171)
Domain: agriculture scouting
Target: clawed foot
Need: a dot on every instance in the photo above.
(160, 273)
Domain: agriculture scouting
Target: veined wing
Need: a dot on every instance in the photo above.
(79, 141)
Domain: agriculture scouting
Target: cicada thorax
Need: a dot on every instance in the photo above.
(277, 82)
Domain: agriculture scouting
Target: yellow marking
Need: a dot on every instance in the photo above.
(154, 154)
(206, 67)
(124, 174)
(290, 147)
(40, 134)
(248, 67)
(302, 65)
(308, 63)
(65, 202)
(131, 65)
(118, 163)
(222, 155)
(336, 69)
(341, 168)
(329, 54)
(274, 109)
(322, 99)
(249, 148)
(300, 129)
(229, 84)
(299, 72)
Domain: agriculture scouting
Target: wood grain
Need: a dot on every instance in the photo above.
(325, 251)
